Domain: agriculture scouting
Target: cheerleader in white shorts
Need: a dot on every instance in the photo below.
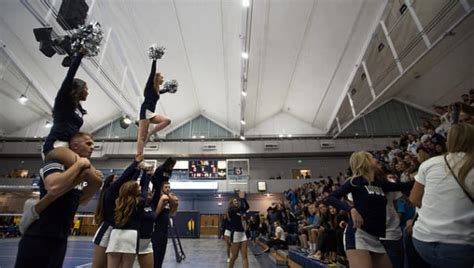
(238, 238)
(104, 213)
(124, 238)
(368, 215)
(145, 248)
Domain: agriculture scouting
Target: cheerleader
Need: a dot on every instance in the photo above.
(123, 242)
(147, 110)
(106, 209)
(67, 120)
(238, 238)
(368, 215)
(145, 249)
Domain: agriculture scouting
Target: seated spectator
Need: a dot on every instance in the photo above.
(326, 234)
(308, 223)
(279, 240)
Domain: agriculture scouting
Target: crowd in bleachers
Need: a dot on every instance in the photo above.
(317, 228)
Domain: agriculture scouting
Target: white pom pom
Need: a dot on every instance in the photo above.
(88, 37)
(156, 52)
(171, 86)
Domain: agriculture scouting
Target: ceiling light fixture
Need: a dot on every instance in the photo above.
(23, 99)
(246, 3)
(242, 138)
(289, 135)
(48, 124)
(281, 135)
(125, 122)
(244, 93)
(242, 122)
(245, 55)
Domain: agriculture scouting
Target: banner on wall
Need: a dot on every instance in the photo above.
(187, 224)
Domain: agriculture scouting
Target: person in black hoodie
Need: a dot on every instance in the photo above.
(368, 215)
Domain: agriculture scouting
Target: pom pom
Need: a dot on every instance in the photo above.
(87, 39)
(156, 52)
(171, 86)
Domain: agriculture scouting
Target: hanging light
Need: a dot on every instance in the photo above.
(242, 122)
(23, 99)
(125, 122)
(245, 55)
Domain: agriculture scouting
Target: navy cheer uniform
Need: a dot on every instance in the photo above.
(370, 201)
(237, 232)
(125, 239)
(102, 235)
(44, 242)
(146, 230)
(67, 119)
(151, 98)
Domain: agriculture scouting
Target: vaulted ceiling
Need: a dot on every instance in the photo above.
(302, 56)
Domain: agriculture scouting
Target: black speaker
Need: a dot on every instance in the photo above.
(72, 13)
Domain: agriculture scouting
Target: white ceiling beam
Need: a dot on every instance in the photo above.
(354, 71)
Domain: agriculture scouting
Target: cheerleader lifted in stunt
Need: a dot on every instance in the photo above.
(67, 120)
(152, 95)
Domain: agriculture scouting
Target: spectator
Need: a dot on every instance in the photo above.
(446, 184)
(279, 239)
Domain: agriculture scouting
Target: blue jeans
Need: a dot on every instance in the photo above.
(394, 250)
(445, 255)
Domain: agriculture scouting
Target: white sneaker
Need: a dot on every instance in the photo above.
(29, 215)
(146, 165)
(152, 137)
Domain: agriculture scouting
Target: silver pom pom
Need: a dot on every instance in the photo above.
(88, 38)
(171, 86)
(156, 52)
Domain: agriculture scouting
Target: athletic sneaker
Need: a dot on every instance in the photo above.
(152, 138)
(29, 215)
(145, 165)
(315, 256)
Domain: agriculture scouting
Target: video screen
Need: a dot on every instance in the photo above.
(207, 169)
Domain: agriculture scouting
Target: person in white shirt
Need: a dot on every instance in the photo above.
(279, 239)
(444, 232)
